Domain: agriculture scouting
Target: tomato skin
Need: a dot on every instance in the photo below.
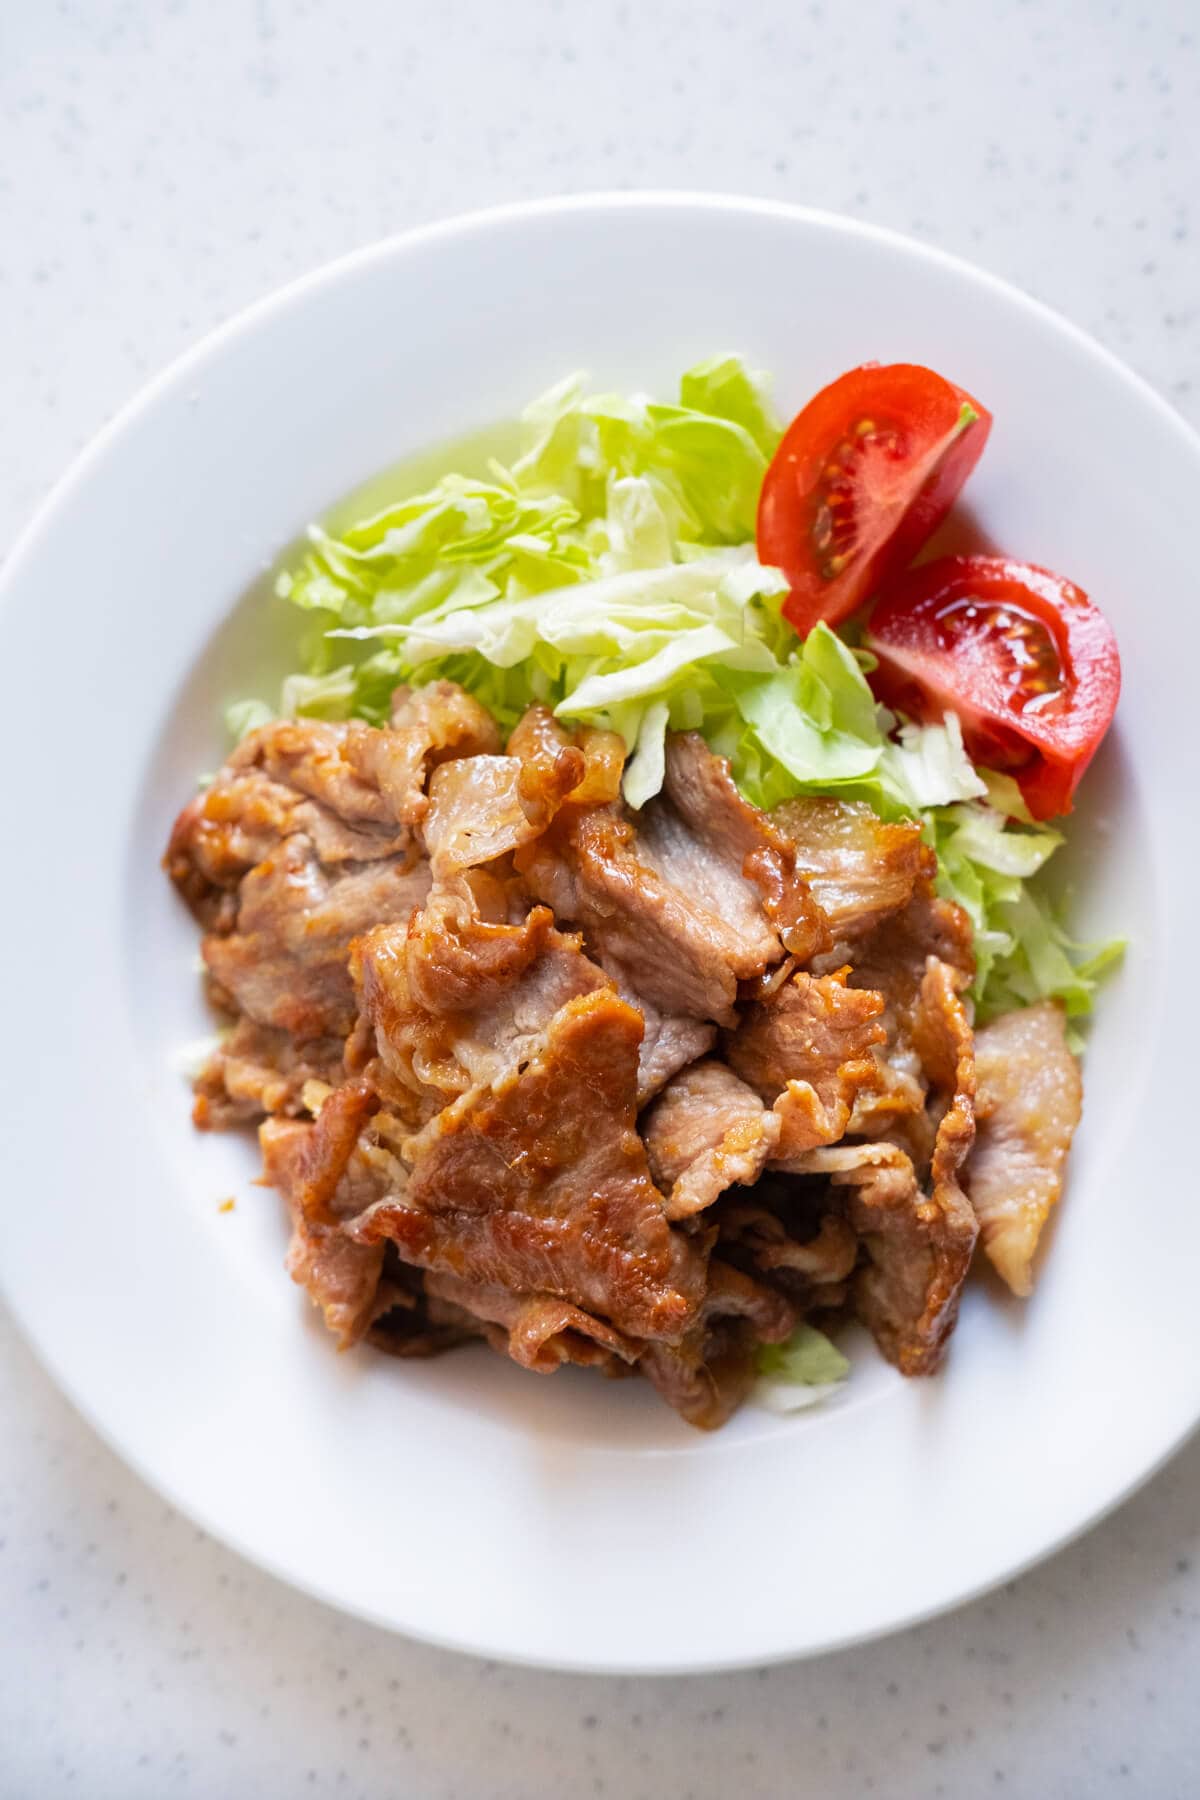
(945, 636)
(843, 508)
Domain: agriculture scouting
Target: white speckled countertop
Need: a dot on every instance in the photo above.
(160, 166)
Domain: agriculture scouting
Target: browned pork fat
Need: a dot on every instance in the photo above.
(859, 869)
(482, 807)
(538, 741)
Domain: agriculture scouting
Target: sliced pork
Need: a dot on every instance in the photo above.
(302, 842)
(697, 894)
(700, 790)
(707, 1375)
(632, 1090)
(706, 1132)
(429, 725)
(670, 1041)
(538, 1331)
(539, 1183)
(1030, 1101)
(806, 1048)
(451, 1001)
(257, 1069)
(326, 1177)
(284, 960)
(858, 868)
(918, 1239)
(286, 779)
(904, 1103)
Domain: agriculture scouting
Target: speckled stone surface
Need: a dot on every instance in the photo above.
(160, 166)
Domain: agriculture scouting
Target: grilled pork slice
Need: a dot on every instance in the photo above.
(697, 893)
(537, 1330)
(1030, 1101)
(428, 726)
(284, 962)
(918, 1247)
(329, 1172)
(451, 1000)
(482, 807)
(670, 1041)
(700, 790)
(354, 792)
(859, 869)
(918, 1241)
(806, 1049)
(538, 1182)
(904, 1104)
(305, 840)
(257, 1069)
(706, 1132)
(707, 1375)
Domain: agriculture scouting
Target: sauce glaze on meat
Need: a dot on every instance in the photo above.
(640, 1091)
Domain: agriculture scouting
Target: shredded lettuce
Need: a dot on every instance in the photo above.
(609, 572)
(990, 854)
(988, 863)
(242, 716)
(807, 1358)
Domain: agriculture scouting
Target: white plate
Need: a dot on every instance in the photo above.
(570, 1522)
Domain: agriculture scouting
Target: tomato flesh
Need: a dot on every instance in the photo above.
(864, 474)
(1023, 657)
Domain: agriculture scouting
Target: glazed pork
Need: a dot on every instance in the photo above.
(636, 1090)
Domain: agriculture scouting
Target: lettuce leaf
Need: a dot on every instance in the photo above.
(988, 863)
(242, 716)
(610, 573)
(808, 1358)
(803, 1372)
(726, 388)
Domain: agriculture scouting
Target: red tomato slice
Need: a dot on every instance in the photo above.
(1023, 657)
(863, 476)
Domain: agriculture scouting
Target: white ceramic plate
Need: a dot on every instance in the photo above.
(570, 1522)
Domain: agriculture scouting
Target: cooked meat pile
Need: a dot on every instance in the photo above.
(636, 1090)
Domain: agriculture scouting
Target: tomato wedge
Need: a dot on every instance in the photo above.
(1023, 657)
(864, 474)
